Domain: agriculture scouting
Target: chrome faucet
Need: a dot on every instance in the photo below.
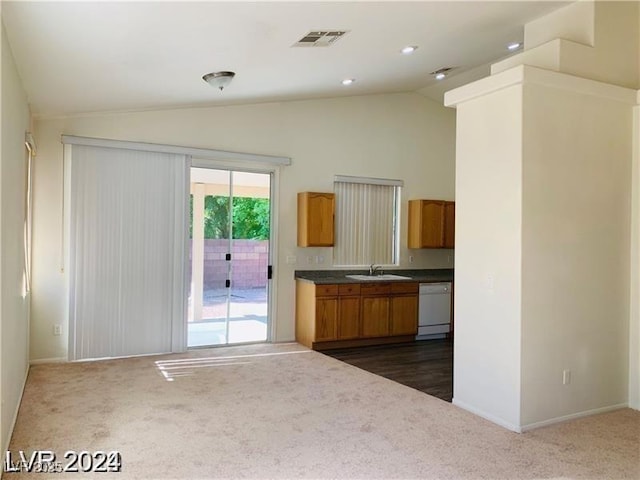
(373, 268)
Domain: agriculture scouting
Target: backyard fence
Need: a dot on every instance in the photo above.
(249, 260)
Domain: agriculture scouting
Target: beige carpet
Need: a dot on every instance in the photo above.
(281, 411)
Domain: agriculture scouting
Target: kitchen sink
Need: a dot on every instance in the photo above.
(377, 278)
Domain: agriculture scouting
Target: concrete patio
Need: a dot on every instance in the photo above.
(247, 317)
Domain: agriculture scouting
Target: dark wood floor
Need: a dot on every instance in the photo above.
(426, 365)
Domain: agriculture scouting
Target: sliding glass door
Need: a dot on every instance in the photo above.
(229, 257)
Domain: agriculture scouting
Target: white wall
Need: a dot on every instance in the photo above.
(596, 40)
(575, 22)
(634, 317)
(14, 312)
(402, 136)
(615, 57)
(488, 249)
(634, 324)
(575, 252)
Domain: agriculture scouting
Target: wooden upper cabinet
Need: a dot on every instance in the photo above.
(449, 224)
(431, 224)
(315, 219)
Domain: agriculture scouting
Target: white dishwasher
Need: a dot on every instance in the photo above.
(434, 310)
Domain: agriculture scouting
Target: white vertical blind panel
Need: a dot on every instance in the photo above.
(127, 260)
(365, 217)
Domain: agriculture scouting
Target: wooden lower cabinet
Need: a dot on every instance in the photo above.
(348, 318)
(375, 316)
(334, 316)
(326, 319)
(404, 311)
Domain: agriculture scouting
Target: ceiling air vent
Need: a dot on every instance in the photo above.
(320, 38)
(444, 70)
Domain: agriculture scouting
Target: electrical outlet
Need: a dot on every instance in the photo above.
(309, 259)
(489, 282)
(57, 329)
(410, 258)
(319, 259)
(291, 259)
(566, 377)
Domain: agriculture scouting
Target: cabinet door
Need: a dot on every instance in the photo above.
(404, 315)
(375, 316)
(315, 219)
(449, 224)
(432, 223)
(426, 224)
(348, 317)
(326, 319)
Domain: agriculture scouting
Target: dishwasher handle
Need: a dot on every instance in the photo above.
(435, 288)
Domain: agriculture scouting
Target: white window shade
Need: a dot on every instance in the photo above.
(366, 222)
(126, 251)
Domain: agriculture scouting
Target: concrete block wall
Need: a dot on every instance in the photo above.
(250, 259)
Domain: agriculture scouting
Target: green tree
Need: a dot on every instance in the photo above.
(250, 217)
(216, 217)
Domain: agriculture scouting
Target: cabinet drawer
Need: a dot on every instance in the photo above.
(326, 290)
(349, 289)
(375, 289)
(404, 287)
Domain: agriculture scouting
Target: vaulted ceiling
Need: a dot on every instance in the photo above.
(77, 57)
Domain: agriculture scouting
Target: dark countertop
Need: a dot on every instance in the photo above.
(323, 277)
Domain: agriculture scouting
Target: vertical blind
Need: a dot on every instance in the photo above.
(366, 222)
(126, 251)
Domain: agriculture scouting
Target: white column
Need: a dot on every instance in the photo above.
(543, 215)
(197, 251)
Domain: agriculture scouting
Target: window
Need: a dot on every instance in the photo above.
(28, 209)
(367, 221)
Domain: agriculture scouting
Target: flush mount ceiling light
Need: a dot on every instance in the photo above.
(409, 49)
(219, 79)
(348, 81)
(441, 73)
(513, 46)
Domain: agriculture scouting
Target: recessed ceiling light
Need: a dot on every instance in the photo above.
(348, 81)
(513, 46)
(409, 49)
(441, 73)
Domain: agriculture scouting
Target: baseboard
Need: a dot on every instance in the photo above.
(544, 423)
(6, 441)
(573, 416)
(487, 416)
(40, 361)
